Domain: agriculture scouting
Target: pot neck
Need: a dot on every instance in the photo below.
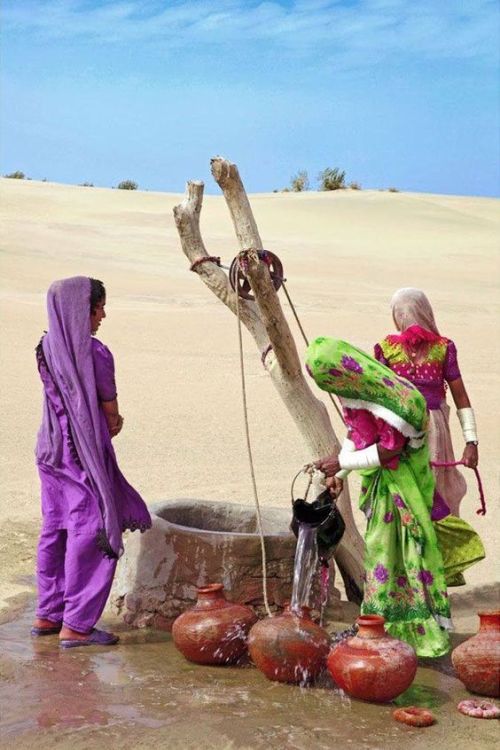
(371, 626)
(211, 596)
(489, 621)
(302, 612)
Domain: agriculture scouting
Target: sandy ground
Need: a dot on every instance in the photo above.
(175, 345)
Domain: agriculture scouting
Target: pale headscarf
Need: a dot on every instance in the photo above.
(411, 307)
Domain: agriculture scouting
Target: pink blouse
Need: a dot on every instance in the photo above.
(366, 429)
(428, 376)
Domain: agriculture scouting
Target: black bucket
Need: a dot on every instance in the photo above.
(322, 514)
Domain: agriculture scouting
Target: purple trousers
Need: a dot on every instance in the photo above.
(74, 579)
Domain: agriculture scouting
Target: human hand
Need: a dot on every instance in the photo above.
(335, 485)
(470, 456)
(116, 428)
(328, 465)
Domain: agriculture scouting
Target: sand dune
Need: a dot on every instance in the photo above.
(175, 345)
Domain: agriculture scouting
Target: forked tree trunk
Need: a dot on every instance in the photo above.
(265, 321)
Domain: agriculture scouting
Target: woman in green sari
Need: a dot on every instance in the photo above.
(387, 419)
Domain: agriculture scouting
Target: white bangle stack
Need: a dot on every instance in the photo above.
(467, 421)
(367, 458)
(347, 447)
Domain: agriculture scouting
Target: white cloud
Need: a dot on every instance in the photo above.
(353, 32)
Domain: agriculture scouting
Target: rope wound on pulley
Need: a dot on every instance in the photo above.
(239, 269)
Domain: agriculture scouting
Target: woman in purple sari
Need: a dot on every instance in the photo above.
(86, 501)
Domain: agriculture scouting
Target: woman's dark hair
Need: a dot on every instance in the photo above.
(97, 293)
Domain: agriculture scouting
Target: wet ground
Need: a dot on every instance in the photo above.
(143, 694)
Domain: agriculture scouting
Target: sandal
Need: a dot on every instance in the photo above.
(96, 638)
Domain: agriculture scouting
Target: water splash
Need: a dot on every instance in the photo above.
(144, 694)
(306, 562)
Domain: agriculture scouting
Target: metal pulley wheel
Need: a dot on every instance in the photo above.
(239, 281)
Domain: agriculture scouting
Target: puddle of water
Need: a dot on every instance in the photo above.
(143, 694)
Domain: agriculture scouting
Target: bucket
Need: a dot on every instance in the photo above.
(322, 514)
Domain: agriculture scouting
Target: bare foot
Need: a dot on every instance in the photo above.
(43, 624)
(72, 635)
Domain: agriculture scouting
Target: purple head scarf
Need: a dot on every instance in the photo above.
(67, 349)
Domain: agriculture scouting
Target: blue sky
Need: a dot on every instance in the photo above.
(397, 92)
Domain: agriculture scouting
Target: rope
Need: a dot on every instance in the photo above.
(205, 259)
(217, 260)
(294, 312)
(250, 460)
(447, 464)
(307, 343)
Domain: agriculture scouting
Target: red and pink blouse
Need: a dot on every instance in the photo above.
(429, 374)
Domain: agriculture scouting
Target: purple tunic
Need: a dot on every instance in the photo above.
(68, 498)
(86, 500)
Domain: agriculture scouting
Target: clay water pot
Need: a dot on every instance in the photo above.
(372, 665)
(214, 631)
(477, 660)
(289, 647)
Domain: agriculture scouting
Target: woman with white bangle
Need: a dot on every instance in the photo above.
(387, 442)
(420, 354)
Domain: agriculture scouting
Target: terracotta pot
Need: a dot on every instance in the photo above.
(289, 647)
(372, 665)
(477, 660)
(214, 631)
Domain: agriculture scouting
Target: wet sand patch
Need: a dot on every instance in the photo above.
(143, 694)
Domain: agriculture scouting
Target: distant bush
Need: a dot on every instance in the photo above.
(300, 181)
(393, 190)
(355, 186)
(127, 185)
(331, 179)
(88, 184)
(16, 175)
(285, 190)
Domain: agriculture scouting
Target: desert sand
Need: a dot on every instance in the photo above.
(177, 359)
(175, 345)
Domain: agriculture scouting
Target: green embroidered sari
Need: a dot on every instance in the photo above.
(404, 574)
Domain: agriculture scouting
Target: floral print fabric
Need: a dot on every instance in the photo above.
(404, 570)
(340, 368)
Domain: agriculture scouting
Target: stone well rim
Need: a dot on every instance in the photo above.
(157, 507)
